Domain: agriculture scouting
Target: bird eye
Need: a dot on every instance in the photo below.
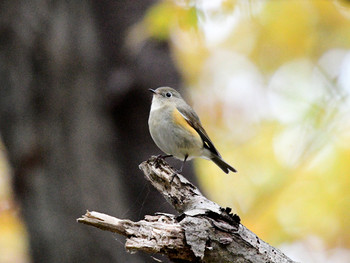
(168, 94)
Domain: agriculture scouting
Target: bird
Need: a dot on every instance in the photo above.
(177, 130)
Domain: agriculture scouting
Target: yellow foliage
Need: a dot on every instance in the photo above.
(164, 16)
(13, 238)
(159, 20)
(296, 28)
(278, 201)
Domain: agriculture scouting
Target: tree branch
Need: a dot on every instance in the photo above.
(204, 232)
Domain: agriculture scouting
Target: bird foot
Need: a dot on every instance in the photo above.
(172, 177)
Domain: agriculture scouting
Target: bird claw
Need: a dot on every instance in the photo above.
(172, 177)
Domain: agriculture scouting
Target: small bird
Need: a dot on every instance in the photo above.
(177, 130)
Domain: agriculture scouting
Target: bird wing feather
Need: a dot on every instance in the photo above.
(192, 119)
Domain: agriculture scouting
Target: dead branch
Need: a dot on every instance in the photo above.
(204, 232)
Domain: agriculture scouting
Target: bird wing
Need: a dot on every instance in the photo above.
(193, 120)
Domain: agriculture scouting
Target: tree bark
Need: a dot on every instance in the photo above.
(59, 141)
(204, 232)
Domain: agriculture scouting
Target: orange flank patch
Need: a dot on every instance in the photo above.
(180, 120)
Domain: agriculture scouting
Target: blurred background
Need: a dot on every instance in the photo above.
(269, 79)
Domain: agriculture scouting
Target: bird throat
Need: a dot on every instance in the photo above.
(156, 104)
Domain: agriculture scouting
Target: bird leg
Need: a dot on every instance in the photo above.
(183, 163)
(179, 171)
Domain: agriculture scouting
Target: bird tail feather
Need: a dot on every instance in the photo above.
(223, 165)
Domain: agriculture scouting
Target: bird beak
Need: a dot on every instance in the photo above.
(152, 90)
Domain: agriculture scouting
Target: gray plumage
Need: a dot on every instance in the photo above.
(174, 139)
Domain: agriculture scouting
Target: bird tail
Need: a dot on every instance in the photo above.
(222, 164)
